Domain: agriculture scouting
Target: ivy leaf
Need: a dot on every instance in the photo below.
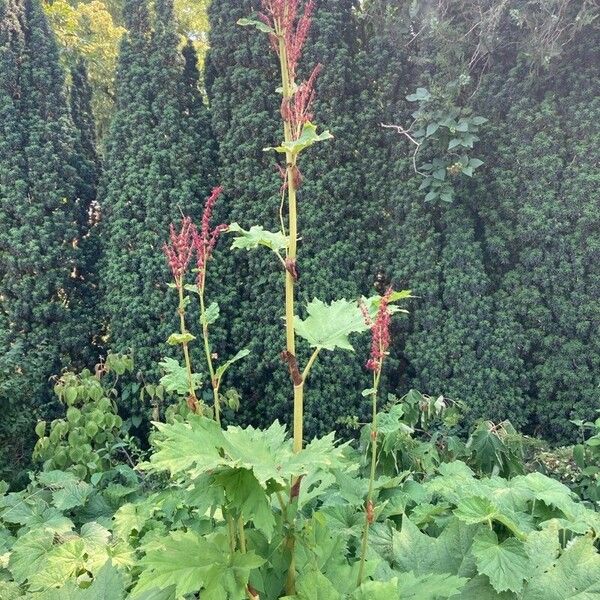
(211, 314)
(329, 325)
(308, 137)
(222, 368)
(505, 564)
(249, 22)
(180, 338)
(256, 236)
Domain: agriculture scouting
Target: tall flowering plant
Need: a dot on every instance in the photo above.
(380, 343)
(326, 326)
(248, 472)
(185, 244)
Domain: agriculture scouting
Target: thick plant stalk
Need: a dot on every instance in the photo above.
(290, 336)
(369, 503)
(193, 399)
(203, 322)
(291, 255)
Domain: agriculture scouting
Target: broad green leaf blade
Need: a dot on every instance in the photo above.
(62, 563)
(329, 325)
(574, 576)
(313, 585)
(308, 137)
(257, 236)
(211, 314)
(180, 559)
(506, 564)
(193, 563)
(175, 379)
(251, 22)
(29, 553)
(180, 338)
(244, 492)
(433, 586)
(179, 446)
(222, 368)
(377, 590)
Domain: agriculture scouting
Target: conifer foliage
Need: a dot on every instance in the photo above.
(159, 163)
(42, 208)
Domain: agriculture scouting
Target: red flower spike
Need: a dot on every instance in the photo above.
(205, 240)
(180, 248)
(380, 334)
(284, 18)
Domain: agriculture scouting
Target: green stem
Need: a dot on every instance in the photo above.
(230, 531)
(186, 351)
(309, 364)
(203, 322)
(291, 255)
(291, 252)
(368, 504)
(242, 535)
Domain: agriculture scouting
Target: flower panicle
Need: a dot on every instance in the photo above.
(205, 240)
(283, 17)
(180, 248)
(380, 334)
(297, 110)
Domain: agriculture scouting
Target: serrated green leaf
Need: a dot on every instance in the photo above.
(175, 379)
(211, 314)
(130, 518)
(180, 338)
(257, 236)
(29, 553)
(329, 325)
(247, 22)
(245, 493)
(222, 368)
(377, 590)
(61, 563)
(313, 585)
(574, 576)
(72, 495)
(506, 564)
(183, 445)
(308, 137)
(193, 563)
(433, 586)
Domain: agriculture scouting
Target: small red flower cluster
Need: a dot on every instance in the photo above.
(297, 109)
(188, 240)
(284, 18)
(380, 333)
(179, 250)
(205, 240)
